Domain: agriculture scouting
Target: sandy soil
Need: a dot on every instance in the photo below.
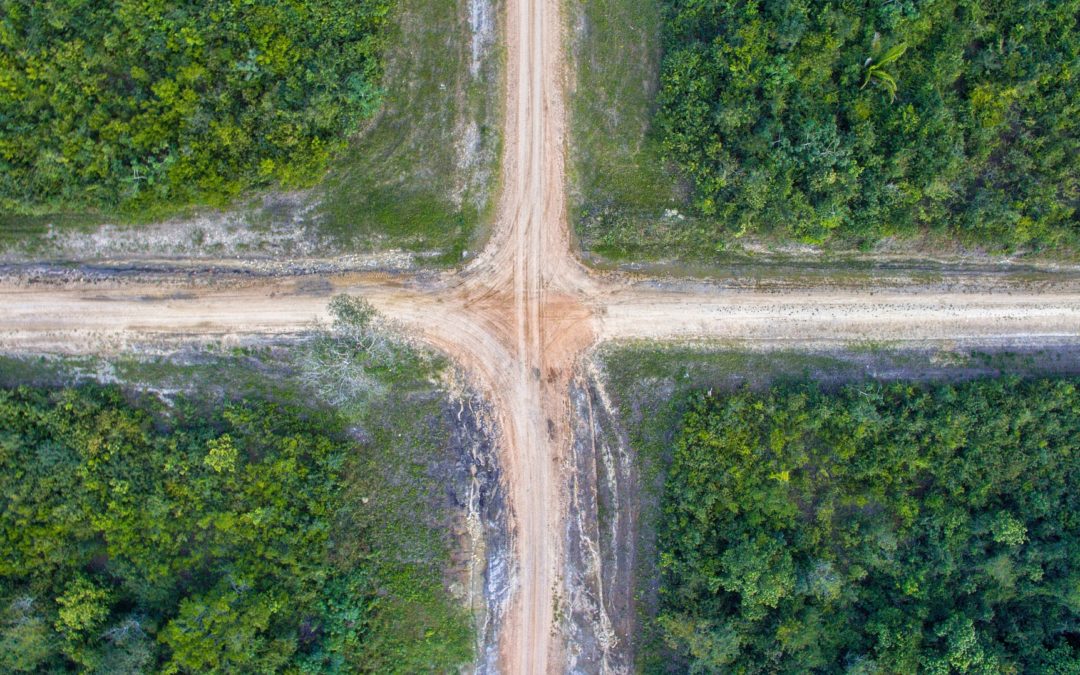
(520, 315)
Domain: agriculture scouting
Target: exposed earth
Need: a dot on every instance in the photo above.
(522, 313)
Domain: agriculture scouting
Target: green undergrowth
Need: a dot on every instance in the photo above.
(147, 109)
(653, 387)
(221, 511)
(855, 122)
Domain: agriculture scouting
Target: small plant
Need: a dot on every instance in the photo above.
(361, 327)
(876, 71)
(339, 364)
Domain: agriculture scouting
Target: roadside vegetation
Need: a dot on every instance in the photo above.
(423, 174)
(306, 128)
(944, 121)
(665, 398)
(880, 528)
(219, 513)
(620, 188)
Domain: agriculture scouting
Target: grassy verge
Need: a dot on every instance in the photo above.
(422, 175)
(651, 388)
(396, 516)
(620, 189)
(29, 232)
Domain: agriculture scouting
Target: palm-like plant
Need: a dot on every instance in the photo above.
(877, 72)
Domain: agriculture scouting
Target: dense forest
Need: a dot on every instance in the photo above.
(879, 529)
(861, 120)
(139, 537)
(133, 104)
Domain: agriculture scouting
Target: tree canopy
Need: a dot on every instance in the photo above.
(176, 540)
(879, 529)
(141, 103)
(861, 120)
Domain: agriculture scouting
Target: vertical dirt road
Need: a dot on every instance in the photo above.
(527, 288)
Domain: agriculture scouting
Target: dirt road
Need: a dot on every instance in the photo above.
(522, 313)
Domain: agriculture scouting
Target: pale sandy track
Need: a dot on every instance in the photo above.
(828, 314)
(519, 316)
(73, 319)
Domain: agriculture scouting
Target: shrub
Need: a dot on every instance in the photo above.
(138, 104)
(864, 120)
(894, 528)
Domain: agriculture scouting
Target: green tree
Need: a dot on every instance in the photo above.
(137, 104)
(854, 121)
(879, 528)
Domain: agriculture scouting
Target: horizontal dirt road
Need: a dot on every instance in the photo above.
(519, 316)
(112, 316)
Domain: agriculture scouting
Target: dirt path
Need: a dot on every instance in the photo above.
(520, 315)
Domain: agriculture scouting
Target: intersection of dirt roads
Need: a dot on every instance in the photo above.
(519, 316)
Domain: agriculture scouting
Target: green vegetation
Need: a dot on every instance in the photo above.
(653, 388)
(750, 122)
(140, 105)
(859, 121)
(421, 176)
(197, 547)
(387, 111)
(620, 187)
(880, 528)
(241, 525)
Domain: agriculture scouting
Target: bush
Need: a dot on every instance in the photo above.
(181, 541)
(853, 120)
(137, 104)
(893, 529)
